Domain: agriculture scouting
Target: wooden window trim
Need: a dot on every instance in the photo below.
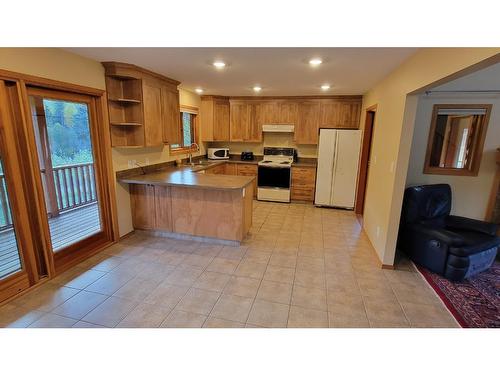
(195, 129)
(478, 145)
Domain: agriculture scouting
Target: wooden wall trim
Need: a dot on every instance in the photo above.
(298, 97)
(49, 83)
(114, 68)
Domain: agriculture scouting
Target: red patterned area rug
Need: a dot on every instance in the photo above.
(475, 303)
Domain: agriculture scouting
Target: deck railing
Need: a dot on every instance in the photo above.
(74, 186)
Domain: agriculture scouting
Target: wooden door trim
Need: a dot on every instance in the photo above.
(102, 170)
(365, 156)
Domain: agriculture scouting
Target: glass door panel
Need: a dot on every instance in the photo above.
(67, 167)
(10, 260)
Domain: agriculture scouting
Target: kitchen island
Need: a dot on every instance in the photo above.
(187, 201)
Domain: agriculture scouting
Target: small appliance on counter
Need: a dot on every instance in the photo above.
(247, 155)
(218, 153)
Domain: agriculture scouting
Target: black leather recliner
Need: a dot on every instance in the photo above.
(453, 246)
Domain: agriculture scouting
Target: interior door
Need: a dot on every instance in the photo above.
(64, 127)
(346, 168)
(326, 157)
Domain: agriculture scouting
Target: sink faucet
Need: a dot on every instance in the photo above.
(191, 151)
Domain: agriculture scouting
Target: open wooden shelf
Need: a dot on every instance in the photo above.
(125, 100)
(126, 123)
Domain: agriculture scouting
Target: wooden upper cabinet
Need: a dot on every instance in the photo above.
(143, 106)
(153, 119)
(270, 112)
(288, 112)
(214, 116)
(239, 121)
(171, 119)
(306, 128)
(340, 113)
(253, 131)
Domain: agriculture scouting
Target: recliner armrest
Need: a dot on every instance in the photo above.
(438, 234)
(465, 223)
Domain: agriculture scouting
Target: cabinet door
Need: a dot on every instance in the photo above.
(270, 112)
(253, 132)
(171, 119)
(306, 129)
(152, 115)
(330, 114)
(230, 168)
(142, 200)
(163, 208)
(239, 121)
(349, 114)
(221, 121)
(288, 112)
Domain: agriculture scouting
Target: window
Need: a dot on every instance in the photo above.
(188, 130)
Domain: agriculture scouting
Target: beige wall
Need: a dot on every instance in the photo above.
(393, 133)
(60, 65)
(470, 193)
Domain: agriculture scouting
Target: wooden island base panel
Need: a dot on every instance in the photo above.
(168, 206)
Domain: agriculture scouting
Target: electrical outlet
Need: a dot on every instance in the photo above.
(147, 161)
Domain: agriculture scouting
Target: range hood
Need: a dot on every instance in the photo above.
(282, 128)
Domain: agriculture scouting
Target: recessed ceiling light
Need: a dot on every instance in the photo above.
(315, 62)
(219, 64)
(199, 90)
(257, 88)
(325, 87)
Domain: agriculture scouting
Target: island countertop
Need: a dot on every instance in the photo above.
(187, 176)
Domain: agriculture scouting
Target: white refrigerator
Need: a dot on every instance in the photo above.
(337, 173)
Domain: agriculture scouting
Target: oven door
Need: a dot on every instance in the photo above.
(274, 177)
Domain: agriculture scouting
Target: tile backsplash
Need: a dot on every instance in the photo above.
(269, 140)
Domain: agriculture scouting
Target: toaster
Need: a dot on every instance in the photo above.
(247, 155)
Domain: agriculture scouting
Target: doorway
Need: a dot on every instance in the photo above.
(365, 159)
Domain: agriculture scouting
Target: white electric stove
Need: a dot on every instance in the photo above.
(274, 174)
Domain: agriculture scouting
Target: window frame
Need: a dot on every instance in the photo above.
(472, 168)
(194, 130)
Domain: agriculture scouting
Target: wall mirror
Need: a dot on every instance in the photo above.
(456, 139)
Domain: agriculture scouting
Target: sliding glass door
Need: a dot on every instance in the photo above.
(68, 166)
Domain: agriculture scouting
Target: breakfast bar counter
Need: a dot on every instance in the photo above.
(186, 201)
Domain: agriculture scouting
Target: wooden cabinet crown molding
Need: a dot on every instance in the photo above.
(119, 69)
(298, 97)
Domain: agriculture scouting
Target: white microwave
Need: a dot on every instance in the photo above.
(218, 153)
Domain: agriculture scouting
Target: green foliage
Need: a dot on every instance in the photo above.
(68, 132)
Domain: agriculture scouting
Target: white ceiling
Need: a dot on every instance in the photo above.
(280, 71)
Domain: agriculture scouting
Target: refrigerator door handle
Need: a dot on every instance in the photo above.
(334, 166)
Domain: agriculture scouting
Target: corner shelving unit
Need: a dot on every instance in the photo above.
(125, 108)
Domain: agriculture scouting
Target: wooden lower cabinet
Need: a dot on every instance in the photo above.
(219, 169)
(151, 207)
(231, 169)
(303, 183)
(142, 201)
(215, 213)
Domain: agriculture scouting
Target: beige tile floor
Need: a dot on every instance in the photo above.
(300, 266)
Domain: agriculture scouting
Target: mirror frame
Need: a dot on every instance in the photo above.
(478, 146)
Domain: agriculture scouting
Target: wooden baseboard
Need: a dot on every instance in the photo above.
(127, 235)
(388, 266)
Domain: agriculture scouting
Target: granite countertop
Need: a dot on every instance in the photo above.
(190, 176)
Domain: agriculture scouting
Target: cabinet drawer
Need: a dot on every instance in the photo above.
(303, 176)
(302, 193)
(246, 170)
